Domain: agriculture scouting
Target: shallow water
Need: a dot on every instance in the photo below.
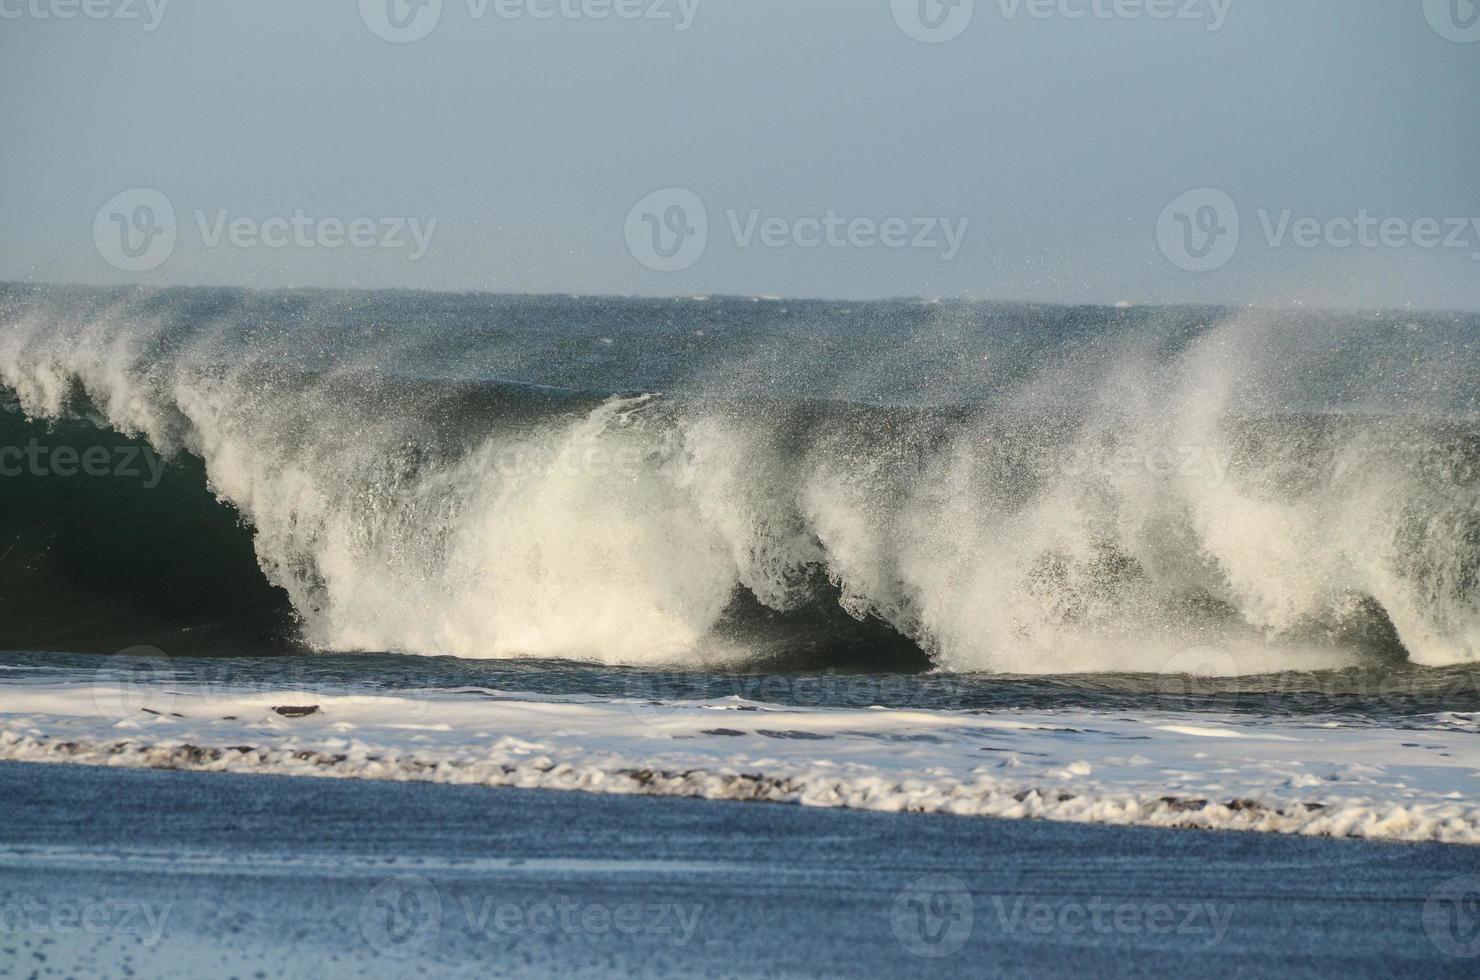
(238, 878)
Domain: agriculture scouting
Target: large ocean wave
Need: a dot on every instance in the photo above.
(1004, 489)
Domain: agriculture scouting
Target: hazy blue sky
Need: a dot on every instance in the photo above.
(1059, 140)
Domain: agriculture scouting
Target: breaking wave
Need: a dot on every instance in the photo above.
(1000, 489)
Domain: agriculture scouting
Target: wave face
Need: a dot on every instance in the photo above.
(995, 488)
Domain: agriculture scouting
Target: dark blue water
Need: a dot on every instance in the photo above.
(308, 877)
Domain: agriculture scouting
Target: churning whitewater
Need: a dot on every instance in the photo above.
(1017, 489)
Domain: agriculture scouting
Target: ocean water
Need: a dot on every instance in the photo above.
(223, 877)
(868, 531)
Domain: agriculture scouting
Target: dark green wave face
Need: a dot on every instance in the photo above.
(997, 489)
(137, 553)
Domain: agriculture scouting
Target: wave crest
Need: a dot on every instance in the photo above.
(1168, 502)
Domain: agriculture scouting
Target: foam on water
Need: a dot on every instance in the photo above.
(1205, 771)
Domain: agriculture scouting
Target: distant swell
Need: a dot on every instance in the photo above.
(1177, 503)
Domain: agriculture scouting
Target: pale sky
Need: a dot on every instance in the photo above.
(1046, 144)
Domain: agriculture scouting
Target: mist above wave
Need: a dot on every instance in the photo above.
(1013, 489)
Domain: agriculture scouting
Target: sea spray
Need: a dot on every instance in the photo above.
(1061, 490)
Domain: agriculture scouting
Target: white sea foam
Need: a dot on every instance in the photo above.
(1208, 772)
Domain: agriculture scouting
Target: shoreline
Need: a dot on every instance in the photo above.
(1036, 804)
(1307, 777)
